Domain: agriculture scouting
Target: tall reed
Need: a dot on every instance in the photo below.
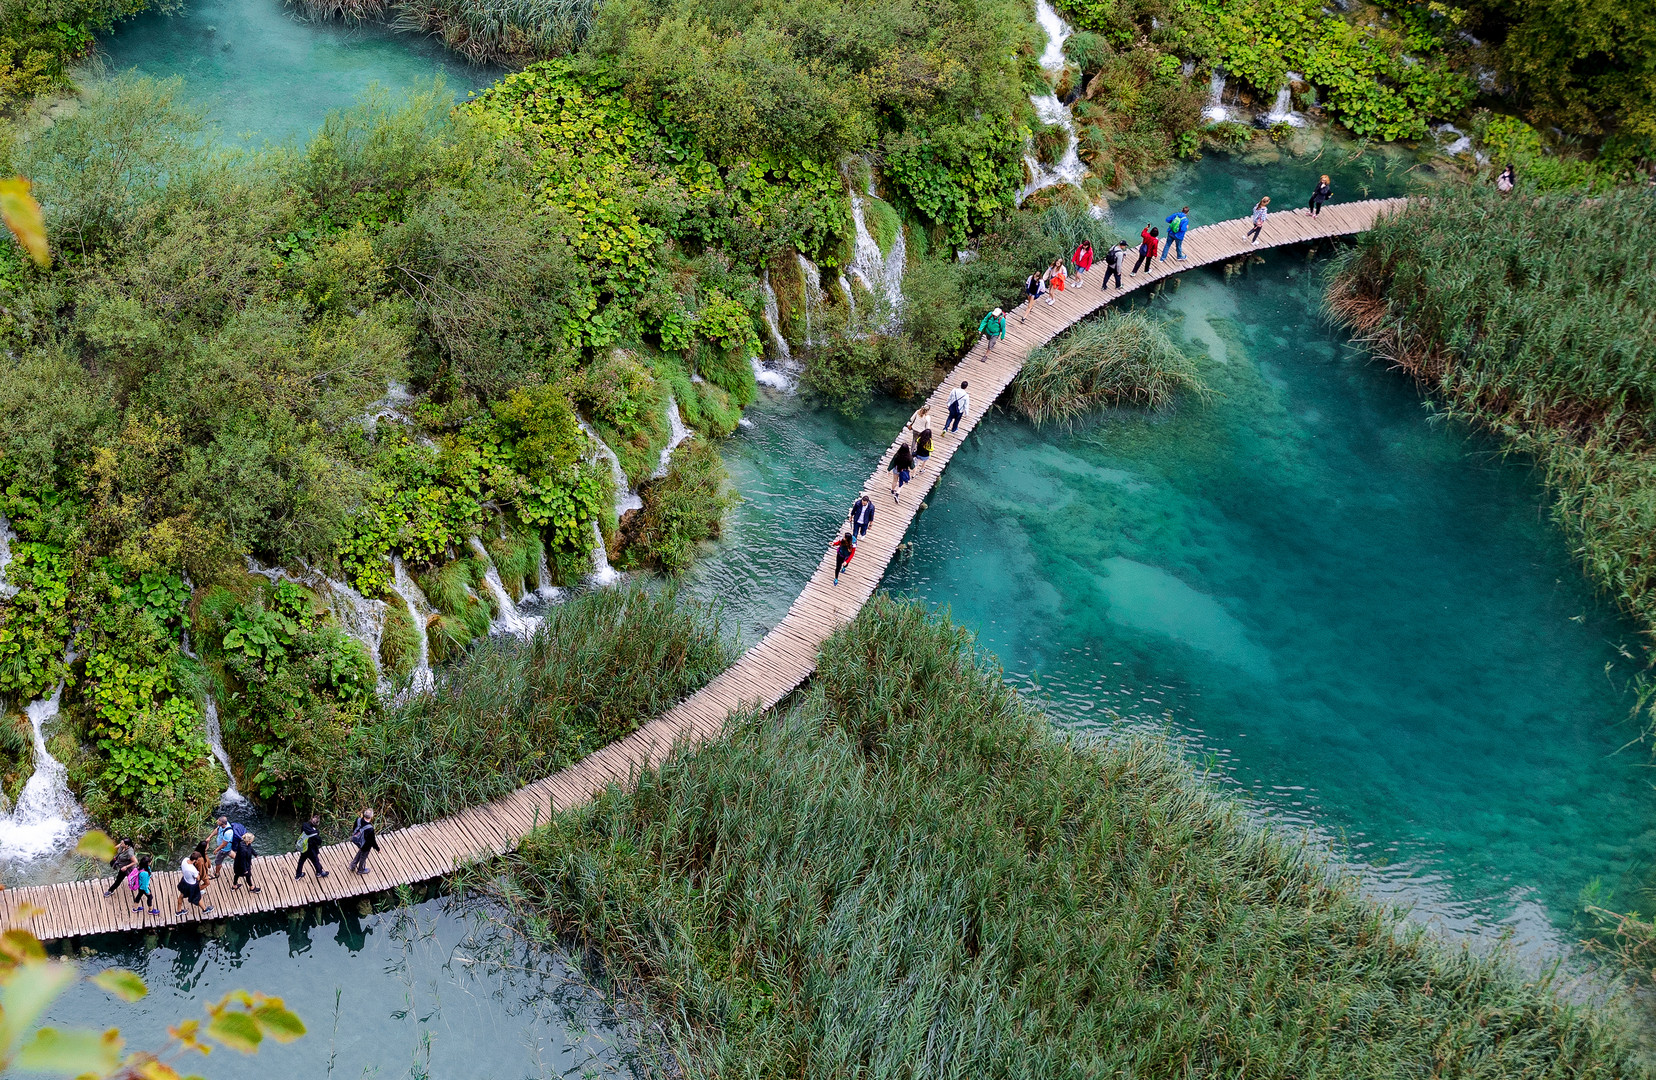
(911, 874)
(1123, 359)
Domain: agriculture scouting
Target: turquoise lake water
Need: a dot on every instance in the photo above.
(1358, 613)
(429, 990)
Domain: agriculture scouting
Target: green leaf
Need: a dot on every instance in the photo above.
(96, 845)
(277, 1021)
(237, 1030)
(124, 984)
(74, 1052)
(29, 991)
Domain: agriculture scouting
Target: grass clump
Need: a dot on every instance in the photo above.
(1532, 316)
(510, 712)
(682, 509)
(910, 873)
(1126, 359)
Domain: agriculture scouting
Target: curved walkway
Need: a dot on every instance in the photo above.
(760, 678)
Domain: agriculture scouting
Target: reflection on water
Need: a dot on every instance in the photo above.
(1359, 613)
(429, 990)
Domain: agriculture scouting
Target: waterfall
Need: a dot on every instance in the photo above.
(543, 584)
(602, 572)
(1282, 107)
(215, 734)
(46, 816)
(625, 497)
(388, 407)
(881, 273)
(1069, 169)
(422, 679)
(680, 433)
(511, 621)
(1452, 142)
(813, 293)
(784, 355)
(7, 589)
(850, 298)
(1216, 111)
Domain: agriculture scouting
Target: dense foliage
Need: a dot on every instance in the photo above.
(1532, 316)
(1121, 359)
(39, 39)
(681, 510)
(912, 869)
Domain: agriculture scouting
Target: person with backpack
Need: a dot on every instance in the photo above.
(902, 464)
(1083, 260)
(224, 845)
(244, 863)
(1147, 248)
(862, 516)
(1320, 195)
(124, 862)
(1113, 258)
(363, 837)
(1034, 286)
(993, 327)
(310, 847)
(140, 883)
(960, 402)
(845, 549)
(1177, 224)
(919, 427)
(1260, 210)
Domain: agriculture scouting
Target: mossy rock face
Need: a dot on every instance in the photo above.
(516, 554)
(788, 283)
(399, 641)
(883, 223)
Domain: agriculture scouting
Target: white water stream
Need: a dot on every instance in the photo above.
(7, 589)
(880, 272)
(1282, 107)
(46, 817)
(1069, 169)
(813, 294)
(215, 733)
(679, 434)
(602, 572)
(421, 680)
(510, 620)
(625, 497)
(1216, 111)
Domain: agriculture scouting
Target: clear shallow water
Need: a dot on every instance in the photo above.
(1361, 615)
(264, 74)
(429, 990)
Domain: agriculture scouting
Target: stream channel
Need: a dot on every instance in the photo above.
(1355, 614)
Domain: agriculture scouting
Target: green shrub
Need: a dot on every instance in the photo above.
(911, 867)
(34, 624)
(512, 712)
(681, 510)
(1124, 359)
(399, 641)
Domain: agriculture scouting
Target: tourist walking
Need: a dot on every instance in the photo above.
(960, 402)
(244, 863)
(862, 516)
(920, 426)
(844, 549)
(1261, 208)
(902, 465)
(190, 873)
(1113, 258)
(1057, 278)
(1083, 259)
(363, 837)
(1034, 286)
(1177, 224)
(142, 888)
(1147, 248)
(224, 846)
(1507, 180)
(123, 862)
(993, 328)
(310, 848)
(1320, 195)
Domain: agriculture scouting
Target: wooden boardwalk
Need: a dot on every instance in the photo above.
(761, 677)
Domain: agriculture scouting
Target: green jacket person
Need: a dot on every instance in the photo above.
(993, 327)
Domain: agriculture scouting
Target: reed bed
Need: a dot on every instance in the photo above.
(512, 712)
(511, 32)
(1535, 317)
(1123, 359)
(911, 874)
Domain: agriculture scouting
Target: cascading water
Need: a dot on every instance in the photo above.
(1069, 169)
(813, 297)
(680, 433)
(1282, 106)
(880, 272)
(625, 497)
(602, 572)
(46, 816)
(510, 621)
(1216, 111)
(7, 589)
(388, 407)
(422, 679)
(360, 617)
(773, 321)
(850, 297)
(215, 734)
(543, 582)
